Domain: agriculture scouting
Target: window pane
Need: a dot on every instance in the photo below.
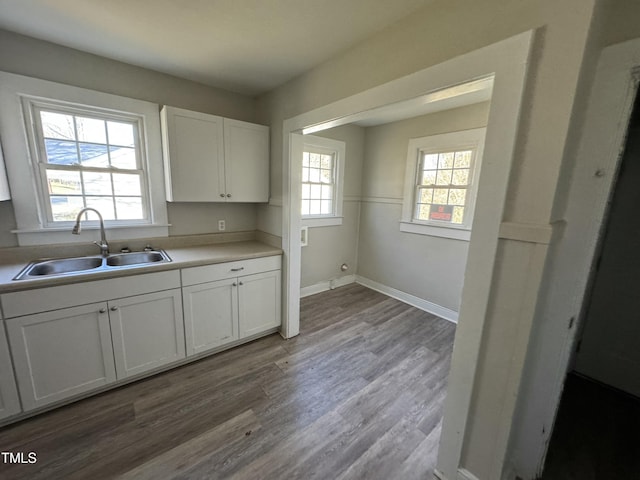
(460, 177)
(123, 157)
(425, 195)
(121, 134)
(61, 153)
(326, 162)
(457, 197)
(423, 212)
(93, 155)
(440, 195)
(314, 160)
(305, 207)
(430, 162)
(305, 159)
(57, 125)
(429, 177)
(126, 184)
(444, 177)
(458, 215)
(104, 205)
(306, 191)
(129, 208)
(65, 208)
(327, 192)
(91, 130)
(314, 175)
(97, 183)
(445, 160)
(305, 174)
(314, 207)
(61, 182)
(316, 192)
(463, 159)
(325, 176)
(325, 207)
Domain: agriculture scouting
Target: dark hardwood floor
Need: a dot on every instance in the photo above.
(358, 395)
(596, 434)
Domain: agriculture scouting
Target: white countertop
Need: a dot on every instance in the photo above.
(181, 257)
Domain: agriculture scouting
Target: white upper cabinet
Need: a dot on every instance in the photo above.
(4, 184)
(213, 159)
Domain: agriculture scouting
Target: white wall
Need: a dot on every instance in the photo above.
(36, 58)
(430, 268)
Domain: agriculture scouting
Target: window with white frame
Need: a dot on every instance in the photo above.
(67, 148)
(441, 183)
(88, 158)
(322, 181)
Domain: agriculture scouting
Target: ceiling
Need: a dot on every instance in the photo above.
(246, 46)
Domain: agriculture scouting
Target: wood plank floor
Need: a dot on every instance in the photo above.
(358, 395)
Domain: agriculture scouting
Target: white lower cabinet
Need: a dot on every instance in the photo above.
(210, 314)
(221, 305)
(9, 400)
(147, 331)
(259, 302)
(62, 353)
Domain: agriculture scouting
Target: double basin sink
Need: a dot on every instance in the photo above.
(76, 265)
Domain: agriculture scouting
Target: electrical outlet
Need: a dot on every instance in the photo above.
(221, 225)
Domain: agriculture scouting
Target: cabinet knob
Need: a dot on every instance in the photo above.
(222, 195)
(114, 308)
(103, 310)
(241, 283)
(234, 284)
(228, 195)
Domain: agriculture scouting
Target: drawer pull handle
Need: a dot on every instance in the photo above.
(237, 269)
(103, 310)
(113, 309)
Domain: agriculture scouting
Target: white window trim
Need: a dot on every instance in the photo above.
(15, 130)
(473, 138)
(338, 148)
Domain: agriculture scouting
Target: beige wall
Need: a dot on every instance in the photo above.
(329, 247)
(36, 58)
(430, 268)
(443, 30)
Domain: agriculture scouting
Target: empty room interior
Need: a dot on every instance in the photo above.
(353, 239)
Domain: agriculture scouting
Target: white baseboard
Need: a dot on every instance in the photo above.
(412, 300)
(324, 286)
(465, 475)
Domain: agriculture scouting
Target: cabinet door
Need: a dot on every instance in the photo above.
(246, 153)
(9, 401)
(193, 155)
(61, 353)
(147, 331)
(259, 302)
(211, 315)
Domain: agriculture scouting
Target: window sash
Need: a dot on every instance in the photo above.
(331, 186)
(112, 198)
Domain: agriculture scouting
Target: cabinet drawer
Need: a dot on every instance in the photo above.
(221, 271)
(46, 299)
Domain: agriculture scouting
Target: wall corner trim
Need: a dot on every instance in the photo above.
(526, 232)
(464, 474)
(420, 303)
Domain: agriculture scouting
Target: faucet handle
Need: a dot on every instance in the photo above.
(148, 248)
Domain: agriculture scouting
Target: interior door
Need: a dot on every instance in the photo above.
(610, 347)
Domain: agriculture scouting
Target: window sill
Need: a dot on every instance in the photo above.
(454, 233)
(312, 222)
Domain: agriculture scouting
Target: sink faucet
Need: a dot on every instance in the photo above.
(104, 247)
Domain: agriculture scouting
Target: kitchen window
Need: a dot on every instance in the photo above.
(87, 158)
(441, 183)
(67, 148)
(322, 181)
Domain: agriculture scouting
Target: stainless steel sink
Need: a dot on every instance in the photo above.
(65, 265)
(135, 258)
(91, 264)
